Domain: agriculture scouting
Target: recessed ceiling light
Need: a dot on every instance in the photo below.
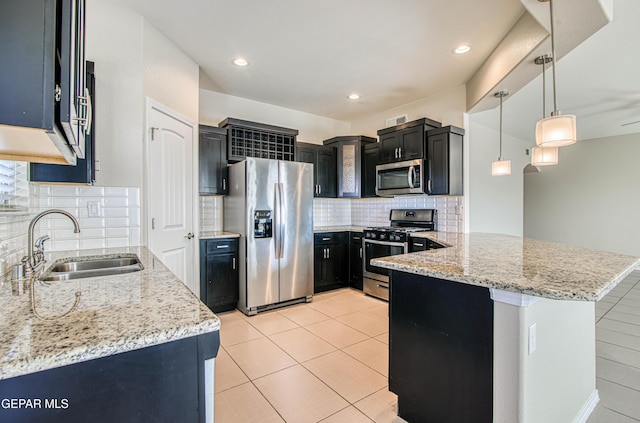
(354, 96)
(240, 61)
(462, 49)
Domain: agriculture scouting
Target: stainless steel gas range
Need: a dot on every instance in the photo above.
(389, 241)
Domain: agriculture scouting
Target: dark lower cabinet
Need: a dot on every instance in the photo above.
(355, 260)
(212, 161)
(162, 383)
(422, 244)
(440, 349)
(331, 266)
(219, 274)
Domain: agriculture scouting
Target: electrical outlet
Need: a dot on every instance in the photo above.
(533, 339)
(93, 208)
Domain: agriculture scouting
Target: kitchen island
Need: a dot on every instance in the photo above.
(497, 328)
(112, 348)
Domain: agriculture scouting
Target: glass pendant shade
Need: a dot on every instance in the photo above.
(501, 167)
(544, 156)
(556, 131)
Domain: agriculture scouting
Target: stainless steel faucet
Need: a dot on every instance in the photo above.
(34, 259)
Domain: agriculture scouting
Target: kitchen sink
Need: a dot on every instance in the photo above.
(90, 267)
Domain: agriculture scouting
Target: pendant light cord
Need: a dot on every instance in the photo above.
(553, 58)
(500, 158)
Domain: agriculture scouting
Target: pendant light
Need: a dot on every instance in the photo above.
(544, 156)
(556, 130)
(501, 167)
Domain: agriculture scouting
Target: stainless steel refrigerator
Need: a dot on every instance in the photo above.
(270, 204)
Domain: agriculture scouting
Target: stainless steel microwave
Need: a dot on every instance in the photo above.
(400, 178)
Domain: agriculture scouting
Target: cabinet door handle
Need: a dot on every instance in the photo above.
(418, 244)
(224, 184)
(429, 185)
(234, 263)
(360, 252)
(328, 253)
(319, 189)
(399, 152)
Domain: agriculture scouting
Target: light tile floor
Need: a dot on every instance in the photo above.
(327, 361)
(323, 361)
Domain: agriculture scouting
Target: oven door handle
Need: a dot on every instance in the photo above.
(391, 243)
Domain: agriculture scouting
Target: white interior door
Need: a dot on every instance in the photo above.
(170, 185)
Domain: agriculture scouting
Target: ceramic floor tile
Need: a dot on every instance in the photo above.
(604, 415)
(228, 374)
(299, 396)
(271, 322)
(371, 352)
(346, 375)
(237, 331)
(259, 357)
(303, 315)
(242, 404)
(627, 309)
(615, 314)
(381, 407)
(617, 338)
(228, 316)
(360, 302)
(618, 373)
(619, 326)
(348, 415)
(331, 307)
(336, 333)
(619, 354)
(384, 338)
(619, 398)
(301, 344)
(366, 323)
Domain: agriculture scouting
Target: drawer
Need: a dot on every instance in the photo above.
(323, 238)
(221, 246)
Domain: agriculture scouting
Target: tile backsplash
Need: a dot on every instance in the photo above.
(108, 217)
(211, 217)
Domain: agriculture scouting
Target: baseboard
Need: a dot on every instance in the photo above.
(588, 407)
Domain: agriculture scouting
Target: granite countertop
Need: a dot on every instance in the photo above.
(520, 265)
(114, 314)
(343, 228)
(217, 234)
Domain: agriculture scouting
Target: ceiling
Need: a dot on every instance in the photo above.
(310, 55)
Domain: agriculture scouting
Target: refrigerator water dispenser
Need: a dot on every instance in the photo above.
(263, 223)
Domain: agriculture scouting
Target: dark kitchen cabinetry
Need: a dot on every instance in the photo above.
(212, 161)
(219, 274)
(405, 141)
(422, 244)
(330, 261)
(349, 163)
(84, 171)
(324, 167)
(370, 158)
(43, 78)
(355, 260)
(251, 139)
(444, 156)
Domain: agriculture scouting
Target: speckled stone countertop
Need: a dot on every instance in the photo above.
(218, 234)
(520, 265)
(320, 229)
(114, 314)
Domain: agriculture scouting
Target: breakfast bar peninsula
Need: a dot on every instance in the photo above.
(497, 328)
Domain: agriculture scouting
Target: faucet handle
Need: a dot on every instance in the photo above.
(40, 241)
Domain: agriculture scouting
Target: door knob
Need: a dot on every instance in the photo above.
(189, 235)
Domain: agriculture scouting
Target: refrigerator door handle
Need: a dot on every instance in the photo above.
(281, 218)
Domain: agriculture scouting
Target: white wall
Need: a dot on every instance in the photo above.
(447, 107)
(495, 203)
(591, 198)
(215, 107)
(114, 43)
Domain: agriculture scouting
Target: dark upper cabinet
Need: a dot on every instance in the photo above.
(349, 151)
(405, 141)
(212, 165)
(84, 171)
(444, 156)
(219, 273)
(252, 139)
(43, 78)
(324, 167)
(355, 260)
(330, 261)
(370, 158)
